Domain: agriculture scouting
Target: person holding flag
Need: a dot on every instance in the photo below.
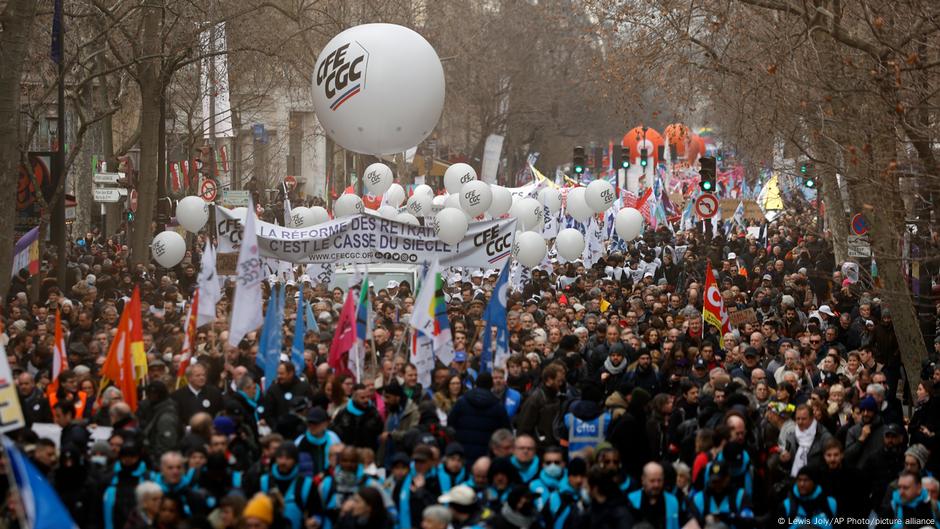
(495, 330)
(713, 307)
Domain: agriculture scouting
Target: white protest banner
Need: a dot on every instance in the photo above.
(11, 414)
(369, 239)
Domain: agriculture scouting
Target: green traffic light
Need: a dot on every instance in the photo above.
(643, 162)
(578, 169)
(810, 183)
(707, 185)
(803, 168)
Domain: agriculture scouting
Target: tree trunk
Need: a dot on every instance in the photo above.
(832, 198)
(149, 78)
(16, 19)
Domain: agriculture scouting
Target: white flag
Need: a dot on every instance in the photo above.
(246, 313)
(210, 289)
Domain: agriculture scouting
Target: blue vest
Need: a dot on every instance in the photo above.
(821, 519)
(586, 434)
(705, 504)
(447, 481)
(293, 510)
(110, 494)
(561, 502)
(672, 506)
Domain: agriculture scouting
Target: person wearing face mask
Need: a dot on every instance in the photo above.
(346, 479)
(301, 498)
(314, 445)
(550, 477)
(567, 504)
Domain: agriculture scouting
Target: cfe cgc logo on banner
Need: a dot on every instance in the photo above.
(341, 74)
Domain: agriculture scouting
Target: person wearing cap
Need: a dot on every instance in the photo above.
(720, 500)
(807, 501)
(314, 445)
(128, 472)
(865, 439)
(466, 512)
(419, 487)
(301, 497)
(884, 466)
(401, 415)
(476, 415)
(359, 423)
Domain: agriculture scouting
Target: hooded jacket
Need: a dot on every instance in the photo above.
(475, 417)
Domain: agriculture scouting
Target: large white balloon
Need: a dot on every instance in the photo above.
(629, 224)
(388, 212)
(419, 205)
(407, 218)
(529, 248)
(476, 197)
(395, 195)
(551, 198)
(168, 248)
(599, 195)
(577, 207)
(458, 175)
(502, 201)
(319, 215)
(569, 243)
(192, 213)
(378, 89)
(378, 178)
(452, 201)
(301, 217)
(346, 205)
(424, 189)
(529, 212)
(450, 225)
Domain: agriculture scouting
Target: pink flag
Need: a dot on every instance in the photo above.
(345, 336)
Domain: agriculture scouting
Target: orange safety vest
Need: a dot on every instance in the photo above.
(80, 403)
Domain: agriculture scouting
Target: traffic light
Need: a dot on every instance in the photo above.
(625, 157)
(809, 178)
(130, 216)
(707, 174)
(577, 161)
(718, 156)
(644, 155)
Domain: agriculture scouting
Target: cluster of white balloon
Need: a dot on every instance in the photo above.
(169, 247)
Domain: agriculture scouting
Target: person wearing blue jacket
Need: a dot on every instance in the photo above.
(452, 471)
(721, 500)
(550, 477)
(301, 498)
(567, 504)
(525, 459)
(806, 500)
(911, 506)
(511, 398)
(476, 415)
(314, 445)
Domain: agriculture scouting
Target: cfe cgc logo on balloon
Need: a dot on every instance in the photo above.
(341, 75)
(496, 244)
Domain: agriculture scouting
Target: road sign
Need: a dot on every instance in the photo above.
(859, 246)
(107, 195)
(235, 198)
(290, 181)
(208, 190)
(859, 224)
(107, 178)
(132, 201)
(706, 206)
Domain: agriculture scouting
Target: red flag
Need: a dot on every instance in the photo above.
(118, 367)
(713, 308)
(189, 336)
(345, 336)
(60, 361)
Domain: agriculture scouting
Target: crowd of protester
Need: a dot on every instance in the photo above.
(618, 406)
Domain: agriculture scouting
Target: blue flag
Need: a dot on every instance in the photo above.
(41, 505)
(272, 336)
(311, 319)
(495, 316)
(297, 347)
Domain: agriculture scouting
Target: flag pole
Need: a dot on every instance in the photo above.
(20, 506)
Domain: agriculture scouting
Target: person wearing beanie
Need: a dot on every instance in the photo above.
(301, 497)
(915, 458)
(258, 512)
(806, 500)
(476, 415)
(566, 506)
(865, 439)
(586, 423)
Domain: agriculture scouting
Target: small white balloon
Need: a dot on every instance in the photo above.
(502, 201)
(476, 197)
(569, 243)
(450, 225)
(599, 196)
(388, 212)
(346, 205)
(529, 248)
(438, 201)
(458, 175)
(424, 189)
(551, 198)
(407, 218)
(319, 215)
(192, 213)
(419, 205)
(577, 207)
(378, 178)
(629, 224)
(395, 195)
(168, 248)
(452, 201)
(300, 217)
(529, 212)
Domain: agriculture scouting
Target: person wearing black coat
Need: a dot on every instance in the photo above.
(33, 402)
(609, 509)
(359, 423)
(283, 396)
(625, 434)
(925, 423)
(196, 396)
(844, 483)
(476, 415)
